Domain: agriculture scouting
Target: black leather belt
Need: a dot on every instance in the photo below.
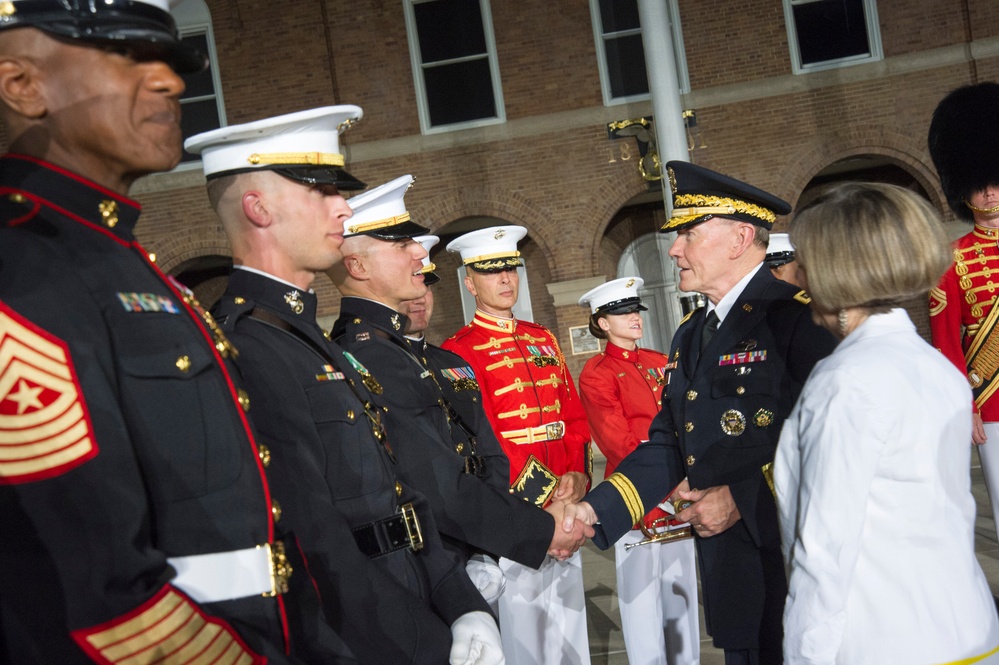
(391, 534)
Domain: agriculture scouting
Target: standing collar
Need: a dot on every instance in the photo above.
(728, 301)
(494, 323)
(615, 351)
(376, 313)
(274, 294)
(68, 193)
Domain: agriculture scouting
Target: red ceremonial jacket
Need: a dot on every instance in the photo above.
(621, 393)
(961, 303)
(526, 392)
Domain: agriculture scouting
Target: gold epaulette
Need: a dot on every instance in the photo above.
(687, 316)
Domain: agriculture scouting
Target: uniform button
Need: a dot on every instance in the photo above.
(152, 257)
(328, 334)
(740, 391)
(17, 198)
(510, 490)
(350, 415)
(690, 460)
(659, 403)
(356, 321)
(460, 447)
(689, 427)
(276, 510)
(398, 488)
(440, 402)
(264, 453)
(238, 300)
(244, 399)
(691, 395)
(183, 363)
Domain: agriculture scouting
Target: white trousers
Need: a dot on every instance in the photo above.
(542, 613)
(657, 595)
(988, 454)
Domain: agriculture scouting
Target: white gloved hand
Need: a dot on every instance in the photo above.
(487, 576)
(475, 640)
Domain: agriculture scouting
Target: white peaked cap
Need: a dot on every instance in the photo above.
(381, 212)
(486, 250)
(618, 294)
(304, 146)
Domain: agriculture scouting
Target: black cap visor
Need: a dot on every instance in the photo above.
(148, 32)
(626, 306)
(321, 175)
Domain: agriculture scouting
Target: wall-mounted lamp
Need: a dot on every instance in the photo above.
(649, 164)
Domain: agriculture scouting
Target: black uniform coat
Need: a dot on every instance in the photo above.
(719, 425)
(468, 510)
(460, 389)
(331, 475)
(122, 440)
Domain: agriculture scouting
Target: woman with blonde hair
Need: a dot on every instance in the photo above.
(872, 473)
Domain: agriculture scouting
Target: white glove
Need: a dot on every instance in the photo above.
(487, 576)
(475, 640)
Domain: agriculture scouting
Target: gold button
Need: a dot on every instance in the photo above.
(183, 363)
(244, 399)
(690, 460)
(689, 427)
(440, 402)
(458, 448)
(659, 403)
(17, 197)
(152, 257)
(264, 453)
(740, 391)
(475, 398)
(350, 415)
(691, 395)
(328, 334)
(276, 510)
(356, 321)
(511, 490)
(398, 488)
(238, 300)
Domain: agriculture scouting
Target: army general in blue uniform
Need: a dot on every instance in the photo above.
(735, 370)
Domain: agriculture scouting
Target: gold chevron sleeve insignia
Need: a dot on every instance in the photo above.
(630, 496)
(45, 427)
(938, 300)
(167, 628)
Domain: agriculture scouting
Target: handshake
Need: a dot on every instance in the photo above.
(573, 523)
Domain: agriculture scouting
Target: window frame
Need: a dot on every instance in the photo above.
(197, 22)
(871, 22)
(423, 107)
(679, 53)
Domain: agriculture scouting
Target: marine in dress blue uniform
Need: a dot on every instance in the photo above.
(388, 586)
(470, 513)
(136, 514)
(723, 406)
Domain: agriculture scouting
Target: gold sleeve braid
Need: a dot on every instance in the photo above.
(630, 496)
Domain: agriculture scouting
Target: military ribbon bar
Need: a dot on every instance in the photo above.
(742, 358)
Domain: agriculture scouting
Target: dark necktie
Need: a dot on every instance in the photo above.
(710, 326)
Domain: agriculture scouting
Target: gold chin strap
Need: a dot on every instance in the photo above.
(987, 211)
(297, 158)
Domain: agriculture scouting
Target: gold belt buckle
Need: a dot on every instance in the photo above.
(280, 568)
(554, 430)
(412, 522)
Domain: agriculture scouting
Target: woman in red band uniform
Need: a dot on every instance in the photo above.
(621, 390)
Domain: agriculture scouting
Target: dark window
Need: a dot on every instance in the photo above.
(829, 31)
(199, 104)
(623, 50)
(455, 61)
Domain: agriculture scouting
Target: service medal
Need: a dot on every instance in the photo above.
(733, 422)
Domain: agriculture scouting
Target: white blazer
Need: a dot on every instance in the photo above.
(876, 513)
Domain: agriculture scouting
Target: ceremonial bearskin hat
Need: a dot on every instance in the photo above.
(964, 143)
